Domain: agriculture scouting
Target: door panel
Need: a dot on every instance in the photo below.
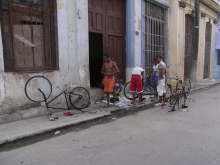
(115, 33)
(108, 17)
(115, 51)
(96, 16)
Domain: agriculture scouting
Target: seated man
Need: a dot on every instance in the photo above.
(117, 89)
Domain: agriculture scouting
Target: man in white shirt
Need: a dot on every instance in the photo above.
(161, 81)
(155, 67)
(136, 84)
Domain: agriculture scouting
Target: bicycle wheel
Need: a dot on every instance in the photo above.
(187, 86)
(79, 98)
(127, 92)
(34, 85)
(168, 92)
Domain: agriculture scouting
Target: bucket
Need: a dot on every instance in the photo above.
(153, 80)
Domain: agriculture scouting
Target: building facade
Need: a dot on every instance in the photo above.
(181, 38)
(48, 38)
(64, 40)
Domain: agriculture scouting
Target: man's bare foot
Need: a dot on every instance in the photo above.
(140, 103)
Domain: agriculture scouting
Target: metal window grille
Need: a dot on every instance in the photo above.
(29, 30)
(189, 42)
(155, 33)
(208, 40)
(218, 56)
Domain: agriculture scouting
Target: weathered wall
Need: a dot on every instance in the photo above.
(177, 38)
(135, 33)
(73, 62)
(133, 36)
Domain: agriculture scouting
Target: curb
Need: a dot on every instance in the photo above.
(204, 87)
(119, 112)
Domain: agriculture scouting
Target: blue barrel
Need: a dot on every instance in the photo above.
(153, 80)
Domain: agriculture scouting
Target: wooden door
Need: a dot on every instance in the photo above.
(108, 17)
(115, 33)
(96, 16)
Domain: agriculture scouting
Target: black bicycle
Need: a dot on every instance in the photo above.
(39, 89)
(181, 92)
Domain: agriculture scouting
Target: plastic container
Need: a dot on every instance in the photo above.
(153, 80)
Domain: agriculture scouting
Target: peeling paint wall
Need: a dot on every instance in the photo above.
(73, 62)
(177, 38)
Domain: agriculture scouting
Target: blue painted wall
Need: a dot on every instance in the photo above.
(216, 73)
(129, 33)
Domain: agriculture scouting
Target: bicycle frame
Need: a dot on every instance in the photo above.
(178, 96)
(64, 92)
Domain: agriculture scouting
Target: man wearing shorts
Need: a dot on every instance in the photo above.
(161, 81)
(109, 69)
(136, 84)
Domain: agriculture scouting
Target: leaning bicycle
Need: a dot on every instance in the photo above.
(181, 92)
(39, 89)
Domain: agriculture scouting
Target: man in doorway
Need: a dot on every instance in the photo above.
(109, 69)
(161, 81)
(136, 84)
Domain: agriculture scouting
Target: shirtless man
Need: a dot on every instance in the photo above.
(109, 69)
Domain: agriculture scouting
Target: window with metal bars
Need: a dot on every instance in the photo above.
(155, 33)
(29, 32)
(218, 57)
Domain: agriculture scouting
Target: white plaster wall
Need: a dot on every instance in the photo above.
(177, 38)
(73, 58)
(2, 89)
(137, 38)
(83, 42)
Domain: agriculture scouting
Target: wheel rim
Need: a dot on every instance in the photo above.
(79, 98)
(33, 85)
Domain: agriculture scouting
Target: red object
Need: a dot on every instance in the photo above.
(136, 84)
(116, 79)
(68, 113)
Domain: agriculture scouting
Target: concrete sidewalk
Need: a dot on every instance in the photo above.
(14, 131)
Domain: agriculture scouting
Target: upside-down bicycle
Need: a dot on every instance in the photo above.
(39, 89)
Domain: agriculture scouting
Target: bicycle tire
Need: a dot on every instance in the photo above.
(176, 101)
(168, 92)
(33, 85)
(187, 88)
(79, 98)
(127, 92)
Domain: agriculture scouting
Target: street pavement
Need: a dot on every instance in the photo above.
(150, 137)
